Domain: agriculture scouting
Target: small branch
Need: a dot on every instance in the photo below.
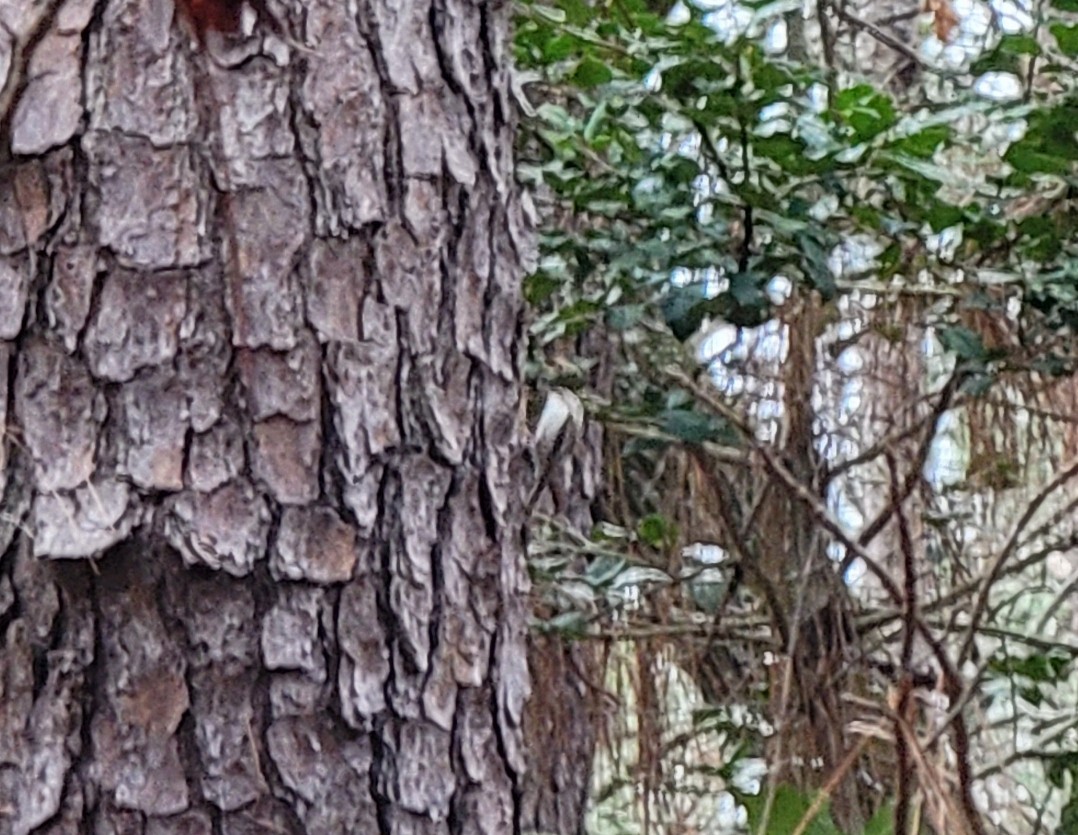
(824, 794)
(726, 454)
(950, 679)
(705, 631)
(882, 617)
(1042, 644)
(880, 35)
(909, 568)
(793, 485)
(904, 789)
(827, 36)
(981, 603)
(899, 17)
(854, 284)
(914, 474)
(881, 446)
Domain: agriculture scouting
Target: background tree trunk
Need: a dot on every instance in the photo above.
(562, 718)
(260, 323)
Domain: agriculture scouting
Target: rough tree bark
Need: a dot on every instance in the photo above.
(259, 390)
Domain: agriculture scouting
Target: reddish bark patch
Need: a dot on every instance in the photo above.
(211, 15)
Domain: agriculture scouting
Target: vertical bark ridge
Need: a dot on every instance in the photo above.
(260, 332)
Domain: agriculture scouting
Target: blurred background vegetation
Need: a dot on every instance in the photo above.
(810, 268)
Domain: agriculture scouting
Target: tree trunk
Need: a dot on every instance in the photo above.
(260, 315)
(809, 602)
(561, 721)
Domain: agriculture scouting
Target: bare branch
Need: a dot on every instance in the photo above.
(879, 34)
(994, 571)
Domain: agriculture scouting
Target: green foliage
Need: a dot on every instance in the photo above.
(657, 531)
(700, 155)
(866, 111)
(1032, 676)
(787, 811)
(883, 822)
(1007, 55)
(964, 344)
(681, 175)
(694, 427)
(1048, 146)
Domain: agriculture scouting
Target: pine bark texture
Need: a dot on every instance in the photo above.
(260, 388)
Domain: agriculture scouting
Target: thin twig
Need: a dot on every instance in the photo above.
(888, 442)
(979, 605)
(916, 469)
(909, 567)
(879, 34)
(824, 794)
(793, 485)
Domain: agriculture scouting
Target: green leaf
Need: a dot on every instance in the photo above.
(556, 116)
(708, 596)
(977, 384)
(595, 121)
(941, 216)
(771, 77)
(923, 168)
(591, 72)
(1027, 157)
(1068, 817)
(883, 822)
(638, 575)
(1051, 365)
(789, 153)
(579, 312)
(789, 808)
(539, 287)
(1059, 766)
(815, 265)
(695, 427)
(684, 309)
(1032, 695)
(889, 261)
(867, 111)
(656, 531)
(1066, 38)
(603, 569)
(548, 13)
(560, 48)
(745, 304)
(1041, 239)
(923, 144)
(573, 624)
(1006, 56)
(1037, 667)
(577, 12)
(963, 343)
(1049, 145)
(624, 316)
